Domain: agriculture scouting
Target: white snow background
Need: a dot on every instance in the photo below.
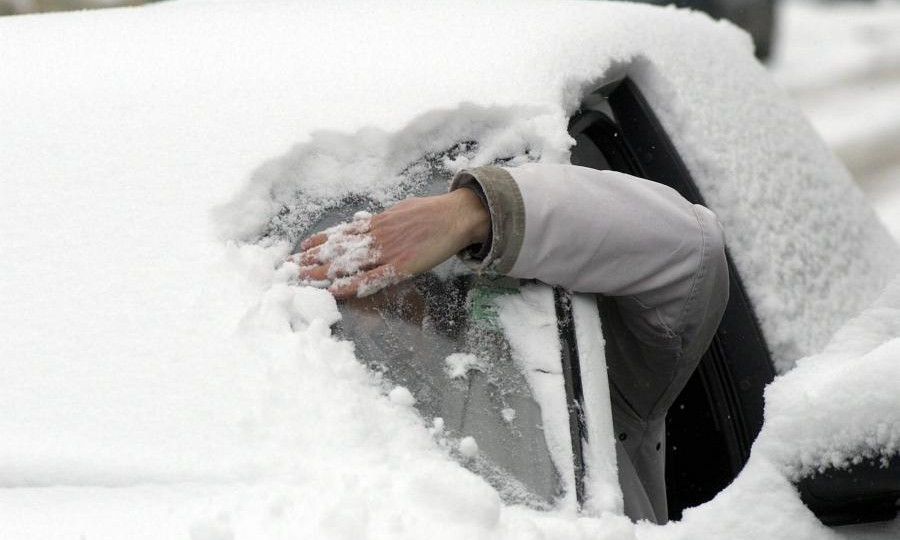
(163, 379)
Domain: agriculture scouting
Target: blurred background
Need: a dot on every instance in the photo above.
(15, 7)
(839, 60)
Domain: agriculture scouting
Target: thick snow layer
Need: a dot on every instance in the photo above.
(162, 375)
(831, 410)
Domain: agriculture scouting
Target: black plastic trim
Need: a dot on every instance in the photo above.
(571, 368)
(864, 492)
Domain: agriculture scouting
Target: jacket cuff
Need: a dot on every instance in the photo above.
(478, 252)
(499, 191)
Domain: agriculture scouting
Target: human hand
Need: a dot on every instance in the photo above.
(413, 236)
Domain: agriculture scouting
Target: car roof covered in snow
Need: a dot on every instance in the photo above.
(151, 337)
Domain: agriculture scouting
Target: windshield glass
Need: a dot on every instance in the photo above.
(440, 338)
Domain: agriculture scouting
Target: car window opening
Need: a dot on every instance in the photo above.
(713, 423)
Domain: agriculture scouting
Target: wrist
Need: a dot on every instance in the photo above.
(472, 219)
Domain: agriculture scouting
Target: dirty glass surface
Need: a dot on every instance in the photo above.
(406, 333)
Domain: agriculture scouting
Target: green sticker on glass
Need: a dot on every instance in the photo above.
(481, 302)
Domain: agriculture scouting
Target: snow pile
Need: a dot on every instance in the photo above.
(468, 447)
(834, 409)
(154, 343)
(288, 193)
(401, 396)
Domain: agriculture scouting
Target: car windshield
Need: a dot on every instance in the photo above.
(439, 336)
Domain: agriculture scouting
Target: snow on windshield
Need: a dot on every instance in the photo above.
(163, 377)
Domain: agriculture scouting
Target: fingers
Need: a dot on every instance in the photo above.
(366, 283)
(313, 241)
(344, 252)
(310, 257)
(339, 268)
(318, 273)
(360, 225)
(348, 258)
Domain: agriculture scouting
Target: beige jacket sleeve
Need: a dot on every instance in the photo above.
(606, 232)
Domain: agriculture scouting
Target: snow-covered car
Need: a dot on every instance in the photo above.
(166, 376)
